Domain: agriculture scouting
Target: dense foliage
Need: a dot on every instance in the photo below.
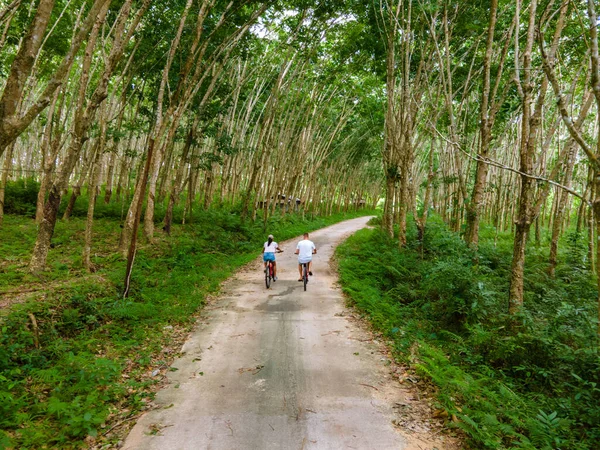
(530, 381)
(479, 111)
(21, 196)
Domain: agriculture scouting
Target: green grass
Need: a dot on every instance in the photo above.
(534, 385)
(89, 362)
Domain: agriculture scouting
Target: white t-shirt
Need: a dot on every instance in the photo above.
(270, 248)
(305, 248)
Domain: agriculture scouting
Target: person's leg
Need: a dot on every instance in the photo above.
(300, 271)
(310, 268)
(275, 269)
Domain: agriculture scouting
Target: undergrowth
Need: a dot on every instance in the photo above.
(530, 382)
(75, 357)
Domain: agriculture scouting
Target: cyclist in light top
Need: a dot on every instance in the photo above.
(305, 249)
(269, 249)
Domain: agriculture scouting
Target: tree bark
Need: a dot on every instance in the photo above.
(138, 214)
(51, 144)
(390, 146)
(526, 150)
(421, 219)
(6, 168)
(109, 176)
(93, 195)
(86, 166)
(176, 187)
(474, 206)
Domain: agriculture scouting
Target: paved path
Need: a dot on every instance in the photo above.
(277, 369)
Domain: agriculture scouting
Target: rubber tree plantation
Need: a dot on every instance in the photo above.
(140, 139)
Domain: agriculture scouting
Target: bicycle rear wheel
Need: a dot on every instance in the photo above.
(305, 274)
(268, 275)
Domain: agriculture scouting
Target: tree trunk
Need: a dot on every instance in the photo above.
(93, 195)
(86, 166)
(404, 197)
(124, 172)
(149, 213)
(582, 212)
(388, 207)
(177, 184)
(421, 220)
(74, 196)
(591, 240)
(193, 177)
(6, 168)
(137, 215)
(487, 116)
(45, 231)
(527, 153)
(109, 177)
(50, 148)
(129, 223)
(560, 211)
(518, 264)
(208, 188)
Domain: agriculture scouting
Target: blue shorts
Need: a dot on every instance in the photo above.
(268, 256)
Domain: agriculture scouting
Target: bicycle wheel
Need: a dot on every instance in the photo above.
(268, 275)
(304, 275)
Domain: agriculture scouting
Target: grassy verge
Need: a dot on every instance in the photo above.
(77, 360)
(533, 385)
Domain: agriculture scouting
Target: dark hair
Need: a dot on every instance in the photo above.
(270, 240)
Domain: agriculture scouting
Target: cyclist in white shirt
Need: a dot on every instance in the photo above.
(268, 251)
(305, 249)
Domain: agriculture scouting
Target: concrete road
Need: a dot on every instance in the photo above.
(278, 369)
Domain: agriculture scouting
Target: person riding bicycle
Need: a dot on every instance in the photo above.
(305, 249)
(268, 251)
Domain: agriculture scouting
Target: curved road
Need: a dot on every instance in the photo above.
(278, 369)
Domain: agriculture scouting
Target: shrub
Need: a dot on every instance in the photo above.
(20, 197)
(529, 382)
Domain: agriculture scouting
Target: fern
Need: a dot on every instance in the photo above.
(449, 317)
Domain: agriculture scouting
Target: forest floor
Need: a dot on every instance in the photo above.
(283, 368)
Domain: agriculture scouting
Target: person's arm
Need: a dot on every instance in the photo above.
(297, 250)
(314, 250)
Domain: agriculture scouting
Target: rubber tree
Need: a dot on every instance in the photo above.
(491, 101)
(85, 113)
(407, 70)
(591, 150)
(530, 121)
(13, 121)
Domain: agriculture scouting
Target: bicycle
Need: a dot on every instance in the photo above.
(304, 274)
(270, 272)
(269, 275)
(305, 249)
